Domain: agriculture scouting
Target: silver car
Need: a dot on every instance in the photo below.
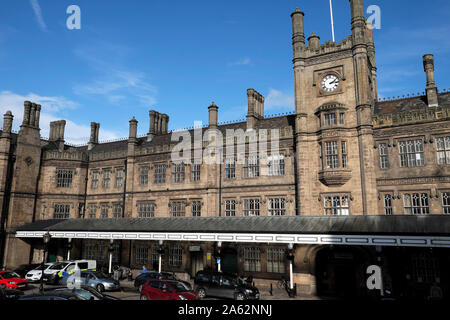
(94, 279)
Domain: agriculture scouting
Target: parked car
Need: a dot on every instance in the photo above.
(23, 269)
(60, 269)
(143, 277)
(35, 274)
(218, 284)
(155, 289)
(95, 279)
(52, 295)
(11, 280)
(10, 294)
(87, 293)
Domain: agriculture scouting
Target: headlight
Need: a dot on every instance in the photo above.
(181, 297)
(248, 291)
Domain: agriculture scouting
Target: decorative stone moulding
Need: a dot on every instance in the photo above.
(337, 177)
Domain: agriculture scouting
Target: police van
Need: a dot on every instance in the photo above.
(64, 268)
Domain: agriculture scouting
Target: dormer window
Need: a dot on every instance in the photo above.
(331, 114)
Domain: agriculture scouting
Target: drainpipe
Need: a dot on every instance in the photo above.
(291, 277)
(110, 255)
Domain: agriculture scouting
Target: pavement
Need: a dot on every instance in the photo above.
(129, 292)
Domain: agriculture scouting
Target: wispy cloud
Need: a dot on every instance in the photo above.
(38, 13)
(241, 62)
(74, 132)
(113, 81)
(277, 99)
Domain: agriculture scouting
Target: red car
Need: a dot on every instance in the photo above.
(166, 290)
(11, 280)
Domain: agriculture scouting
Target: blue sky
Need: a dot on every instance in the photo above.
(179, 56)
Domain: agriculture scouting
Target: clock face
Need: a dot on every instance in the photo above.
(330, 83)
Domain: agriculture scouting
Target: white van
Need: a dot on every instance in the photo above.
(35, 274)
(58, 270)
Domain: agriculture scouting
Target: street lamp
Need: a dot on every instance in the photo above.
(46, 238)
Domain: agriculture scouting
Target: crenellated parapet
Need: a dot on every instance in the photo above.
(429, 114)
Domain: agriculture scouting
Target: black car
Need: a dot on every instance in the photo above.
(10, 294)
(52, 295)
(221, 285)
(143, 277)
(23, 269)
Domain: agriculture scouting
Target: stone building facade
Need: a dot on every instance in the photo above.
(342, 152)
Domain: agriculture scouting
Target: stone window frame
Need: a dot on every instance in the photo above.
(277, 210)
(120, 178)
(445, 195)
(251, 166)
(276, 260)
(175, 255)
(178, 172)
(177, 208)
(61, 211)
(92, 210)
(149, 207)
(230, 207)
(102, 212)
(106, 181)
(230, 168)
(144, 171)
(336, 208)
(406, 155)
(159, 173)
(141, 254)
(444, 150)
(196, 207)
(117, 210)
(64, 178)
(419, 202)
(95, 177)
(338, 109)
(383, 155)
(279, 164)
(251, 207)
(196, 172)
(339, 159)
(252, 259)
(387, 198)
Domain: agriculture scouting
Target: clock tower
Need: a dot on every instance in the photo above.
(335, 94)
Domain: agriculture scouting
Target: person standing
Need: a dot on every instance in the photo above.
(144, 269)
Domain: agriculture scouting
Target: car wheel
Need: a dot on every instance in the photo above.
(144, 297)
(201, 293)
(240, 296)
(100, 288)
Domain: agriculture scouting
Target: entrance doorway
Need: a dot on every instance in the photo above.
(196, 262)
(229, 260)
(339, 272)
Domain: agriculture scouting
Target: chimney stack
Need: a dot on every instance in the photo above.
(314, 41)
(165, 123)
(133, 130)
(159, 124)
(38, 116)
(57, 133)
(255, 108)
(31, 114)
(298, 27)
(213, 112)
(7, 124)
(93, 140)
(26, 113)
(431, 89)
(358, 22)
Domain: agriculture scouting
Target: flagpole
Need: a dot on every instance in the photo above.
(332, 20)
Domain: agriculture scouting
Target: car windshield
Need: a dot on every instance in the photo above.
(9, 275)
(179, 286)
(43, 267)
(59, 266)
(94, 292)
(100, 275)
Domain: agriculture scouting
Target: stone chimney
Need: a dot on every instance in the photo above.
(7, 124)
(38, 116)
(314, 41)
(57, 133)
(255, 108)
(31, 114)
(213, 112)
(133, 130)
(159, 124)
(164, 123)
(431, 89)
(93, 140)
(298, 27)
